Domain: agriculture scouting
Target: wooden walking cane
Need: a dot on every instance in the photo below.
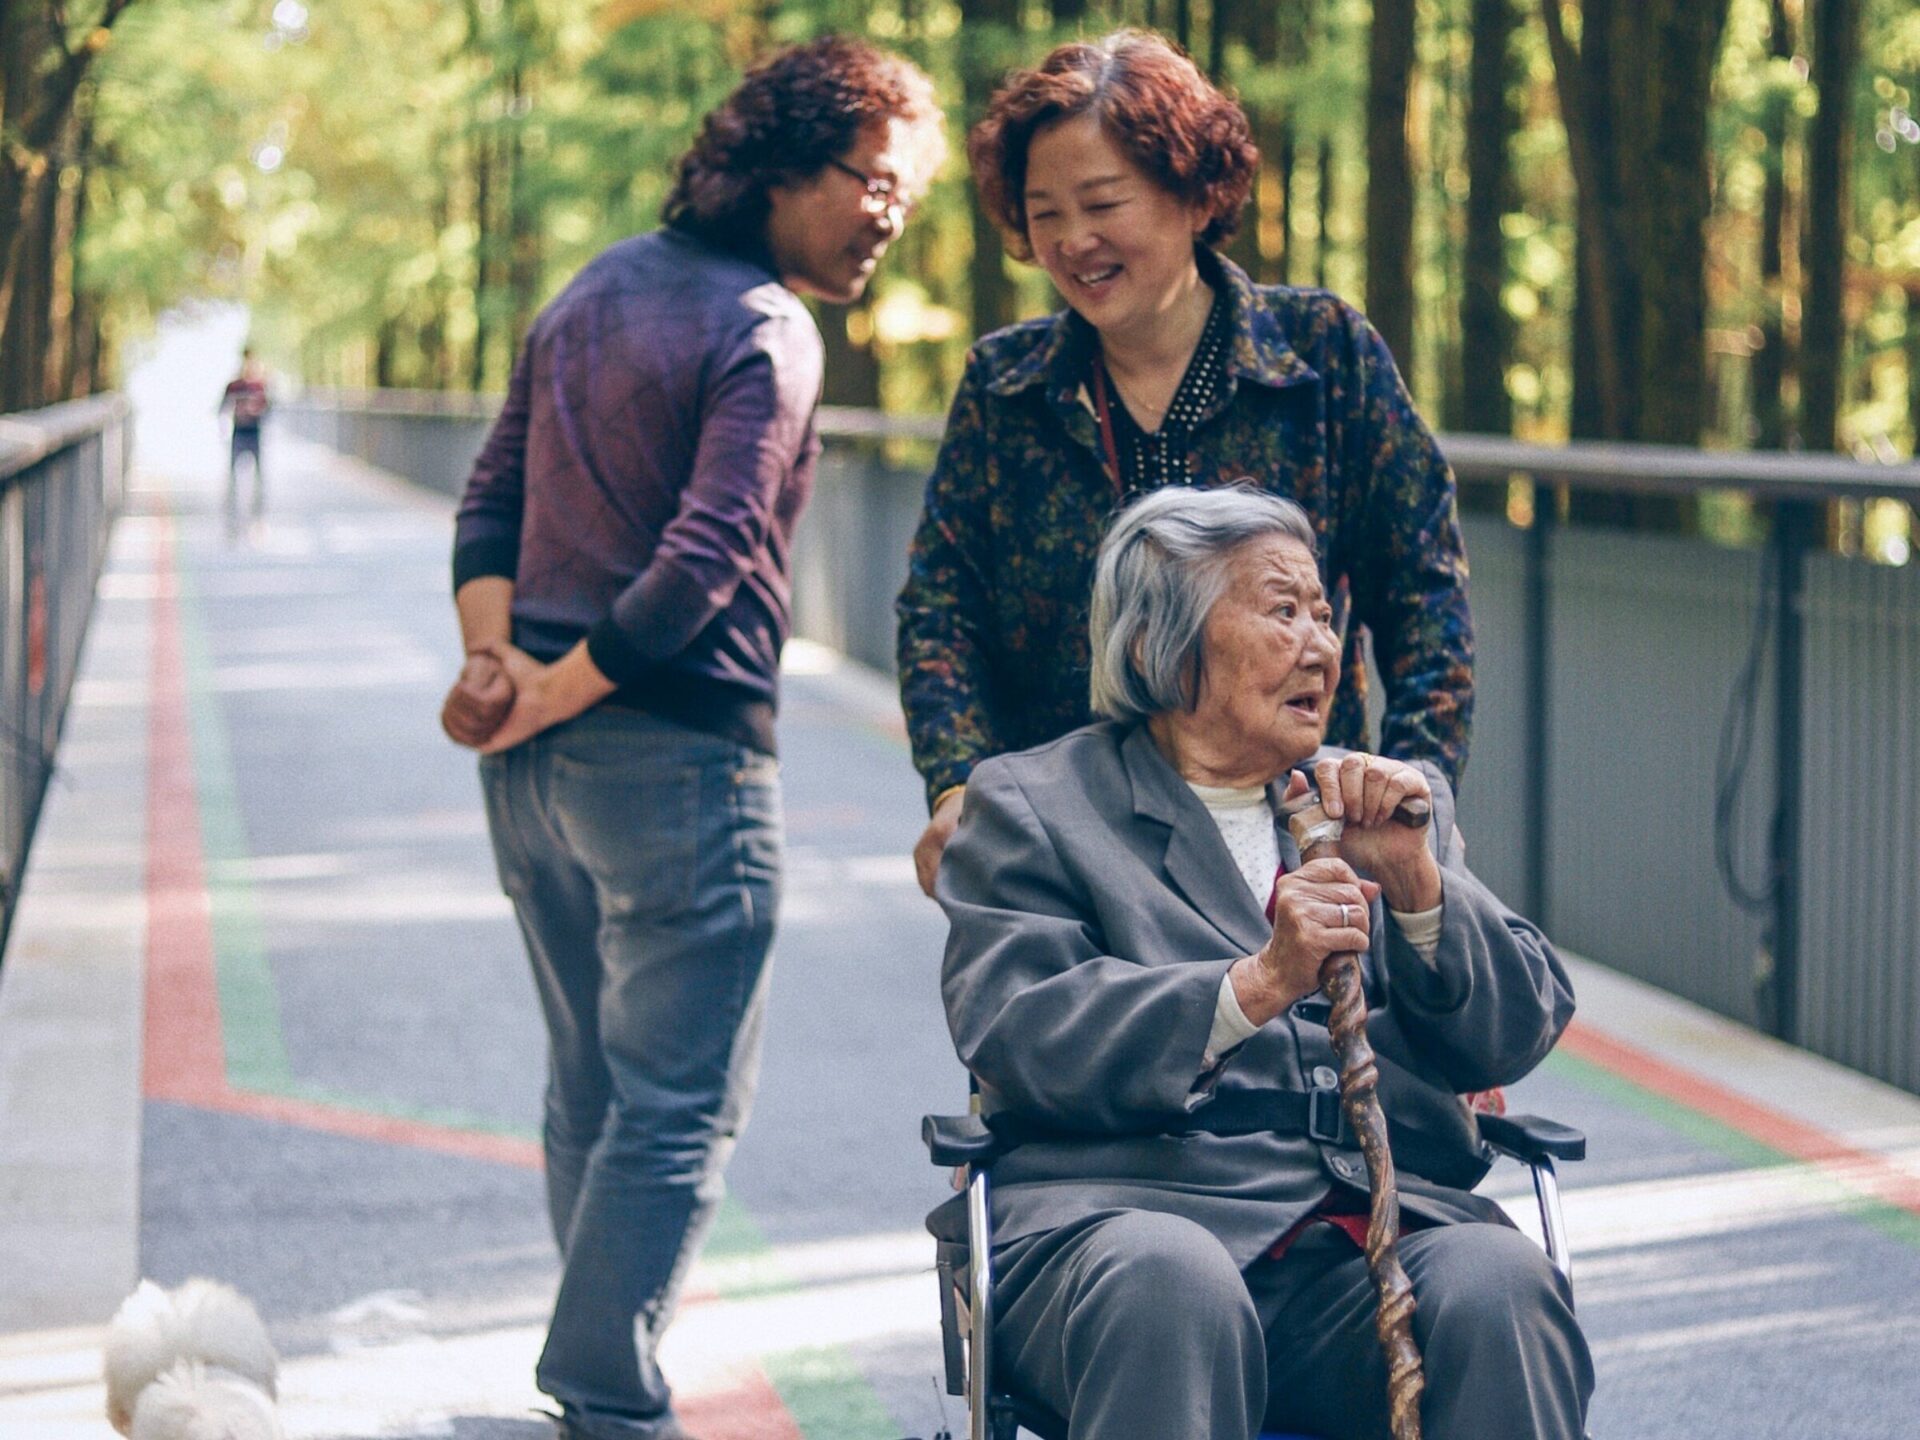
(1318, 836)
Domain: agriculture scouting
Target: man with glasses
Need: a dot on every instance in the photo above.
(621, 573)
(883, 193)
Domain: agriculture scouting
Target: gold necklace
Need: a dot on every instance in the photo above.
(1159, 412)
(1134, 402)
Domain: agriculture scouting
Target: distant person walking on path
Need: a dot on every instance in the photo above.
(1117, 168)
(621, 572)
(246, 397)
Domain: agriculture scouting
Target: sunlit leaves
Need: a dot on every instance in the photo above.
(321, 161)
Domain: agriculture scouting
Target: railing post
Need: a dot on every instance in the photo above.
(1793, 527)
(1536, 850)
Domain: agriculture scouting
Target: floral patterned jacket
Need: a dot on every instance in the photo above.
(992, 642)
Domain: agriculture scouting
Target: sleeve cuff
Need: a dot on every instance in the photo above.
(1230, 1025)
(950, 776)
(1418, 977)
(1420, 929)
(477, 559)
(615, 656)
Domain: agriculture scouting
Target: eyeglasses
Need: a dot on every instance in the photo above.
(882, 194)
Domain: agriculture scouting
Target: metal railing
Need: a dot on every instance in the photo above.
(1660, 720)
(1694, 741)
(429, 436)
(62, 479)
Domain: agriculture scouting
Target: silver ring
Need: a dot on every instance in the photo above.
(1346, 917)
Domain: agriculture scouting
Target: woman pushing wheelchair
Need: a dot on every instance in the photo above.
(1119, 170)
(1131, 976)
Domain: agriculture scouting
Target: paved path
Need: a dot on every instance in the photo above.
(265, 1016)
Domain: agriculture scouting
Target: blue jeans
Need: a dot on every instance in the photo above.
(643, 862)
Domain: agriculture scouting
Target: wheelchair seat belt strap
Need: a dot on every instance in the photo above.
(1249, 1111)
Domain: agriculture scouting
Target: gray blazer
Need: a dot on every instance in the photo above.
(1094, 911)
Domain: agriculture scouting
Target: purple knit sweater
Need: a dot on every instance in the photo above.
(642, 483)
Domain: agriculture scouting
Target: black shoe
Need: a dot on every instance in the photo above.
(571, 1424)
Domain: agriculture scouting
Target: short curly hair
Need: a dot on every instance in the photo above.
(1152, 102)
(794, 113)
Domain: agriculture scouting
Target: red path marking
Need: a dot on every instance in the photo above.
(750, 1410)
(1858, 1168)
(185, 1056)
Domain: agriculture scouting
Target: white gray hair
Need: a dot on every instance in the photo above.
(1160, 570)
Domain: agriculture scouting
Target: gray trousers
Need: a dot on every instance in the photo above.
(246, 441)
(643, 861)
(1137, 1324)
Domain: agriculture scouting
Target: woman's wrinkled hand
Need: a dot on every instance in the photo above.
(1321, 909)
(1364, 791)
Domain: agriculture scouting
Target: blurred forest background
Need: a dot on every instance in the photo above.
(1686, 221)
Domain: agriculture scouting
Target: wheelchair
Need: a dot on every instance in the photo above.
(965, 1268)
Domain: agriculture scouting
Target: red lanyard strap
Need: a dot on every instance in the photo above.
(1105, 412)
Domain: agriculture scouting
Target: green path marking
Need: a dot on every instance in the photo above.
(827, 1395)
(256, 1056)
(823, 1387)
(1743, 1150)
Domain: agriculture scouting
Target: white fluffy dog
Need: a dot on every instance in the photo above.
(191, 1364)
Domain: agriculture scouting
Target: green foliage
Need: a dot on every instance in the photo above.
(394, 184)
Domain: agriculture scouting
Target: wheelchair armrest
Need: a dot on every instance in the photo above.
(959, 1140)
(1528, 1138)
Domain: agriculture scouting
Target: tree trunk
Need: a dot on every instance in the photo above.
(1603, 310)
(1589, 417)
(72, 315)
(1486, 329)
(989, 39)
(40, 77)
(1278, 269)
(1913, 370)
(523, 217)
(1274, 39)
(1598, 400)
(1666, 182)
(1823, 333)
(480, 155)
(435, 357)
(1323, 213)
(26, 337)
(1635, 100)
(852, 369)
(20, 49)
(1239, 20)
(1770, 363)
(69, 189)
(483, 245)
(386, 341)
(1390, 177)
(83, 368)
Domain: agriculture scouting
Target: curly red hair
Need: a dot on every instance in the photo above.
(1152, 102)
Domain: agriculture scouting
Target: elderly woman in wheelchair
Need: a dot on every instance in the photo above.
(1177, 1205)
